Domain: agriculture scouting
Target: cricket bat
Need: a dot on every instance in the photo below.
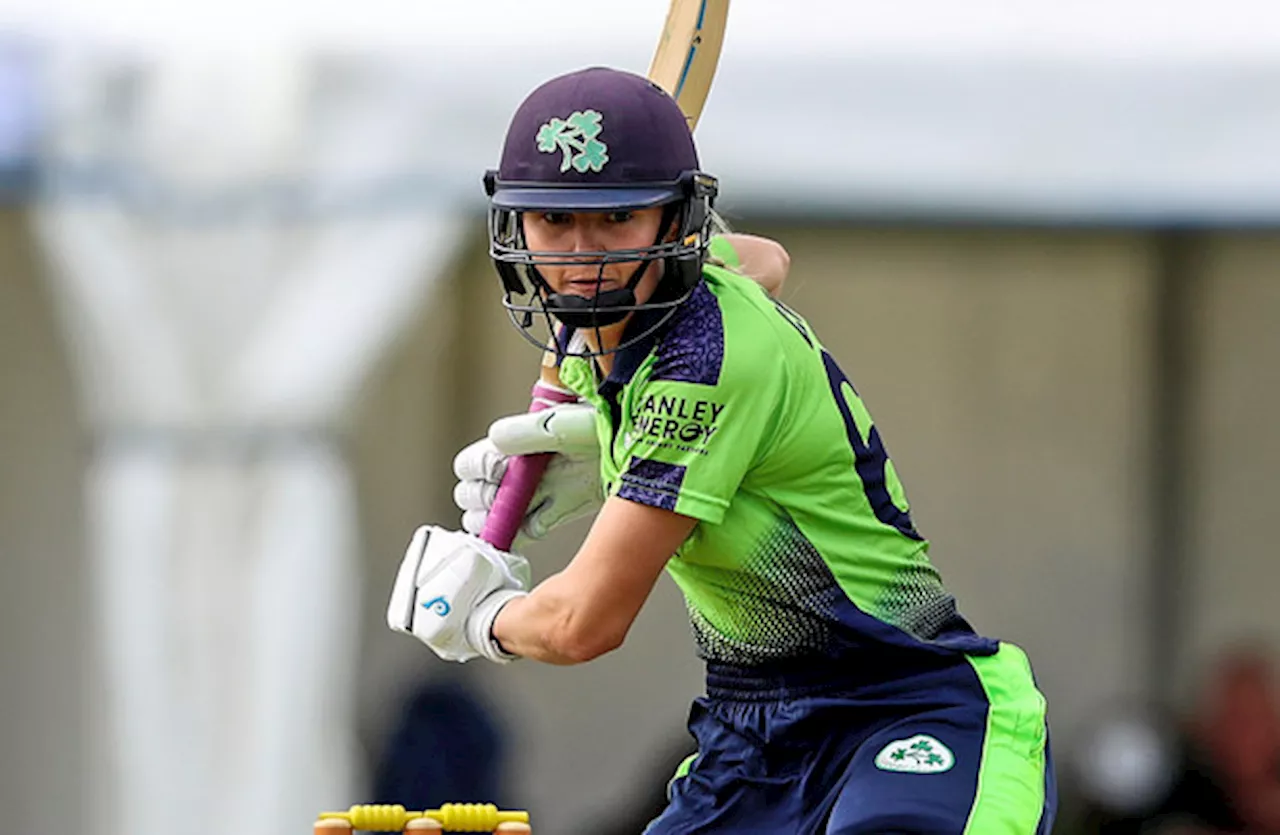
(683, 64)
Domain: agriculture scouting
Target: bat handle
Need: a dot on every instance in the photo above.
(521, 478)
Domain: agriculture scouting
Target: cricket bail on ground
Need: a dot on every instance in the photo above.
(597, 140)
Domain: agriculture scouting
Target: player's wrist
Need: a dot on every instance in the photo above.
(480, 625)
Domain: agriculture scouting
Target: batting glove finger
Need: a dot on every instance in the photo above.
(480, 461)
(474, 495)
(400, 608)
(569, 429)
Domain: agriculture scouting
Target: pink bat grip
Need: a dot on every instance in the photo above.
(521, 478)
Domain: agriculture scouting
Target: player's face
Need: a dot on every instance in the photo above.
(588, 232)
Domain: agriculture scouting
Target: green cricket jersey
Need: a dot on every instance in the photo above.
(732, 413)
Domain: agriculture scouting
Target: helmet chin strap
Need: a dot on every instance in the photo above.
(601, 310)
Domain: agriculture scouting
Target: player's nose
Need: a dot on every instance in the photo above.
(585, 234)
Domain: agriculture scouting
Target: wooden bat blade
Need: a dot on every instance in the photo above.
(684, 63)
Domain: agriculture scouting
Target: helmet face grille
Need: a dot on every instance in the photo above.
(535, 309)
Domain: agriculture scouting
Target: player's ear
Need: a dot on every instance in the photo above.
(669, 225)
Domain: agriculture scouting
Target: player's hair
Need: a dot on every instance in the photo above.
(717, 225)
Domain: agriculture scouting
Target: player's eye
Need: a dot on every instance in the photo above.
(556, 218)
(621, 216)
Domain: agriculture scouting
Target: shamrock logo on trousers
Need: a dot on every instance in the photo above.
(921, 754)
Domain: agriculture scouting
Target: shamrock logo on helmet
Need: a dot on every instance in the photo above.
(575, 137)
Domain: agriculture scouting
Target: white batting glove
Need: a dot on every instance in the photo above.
(570, 487)
(449, 590)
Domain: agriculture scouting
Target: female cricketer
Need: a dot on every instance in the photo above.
(718, 440)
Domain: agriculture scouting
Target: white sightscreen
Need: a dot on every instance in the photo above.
(230, 257)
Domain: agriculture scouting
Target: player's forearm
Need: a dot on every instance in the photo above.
(586, 610)
(550, 626)
(762, 259)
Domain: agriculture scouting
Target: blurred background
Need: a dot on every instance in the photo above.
(247, 318)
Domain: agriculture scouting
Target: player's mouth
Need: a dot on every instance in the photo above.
(590, 286)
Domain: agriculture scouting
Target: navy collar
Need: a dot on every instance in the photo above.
(627, 361)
